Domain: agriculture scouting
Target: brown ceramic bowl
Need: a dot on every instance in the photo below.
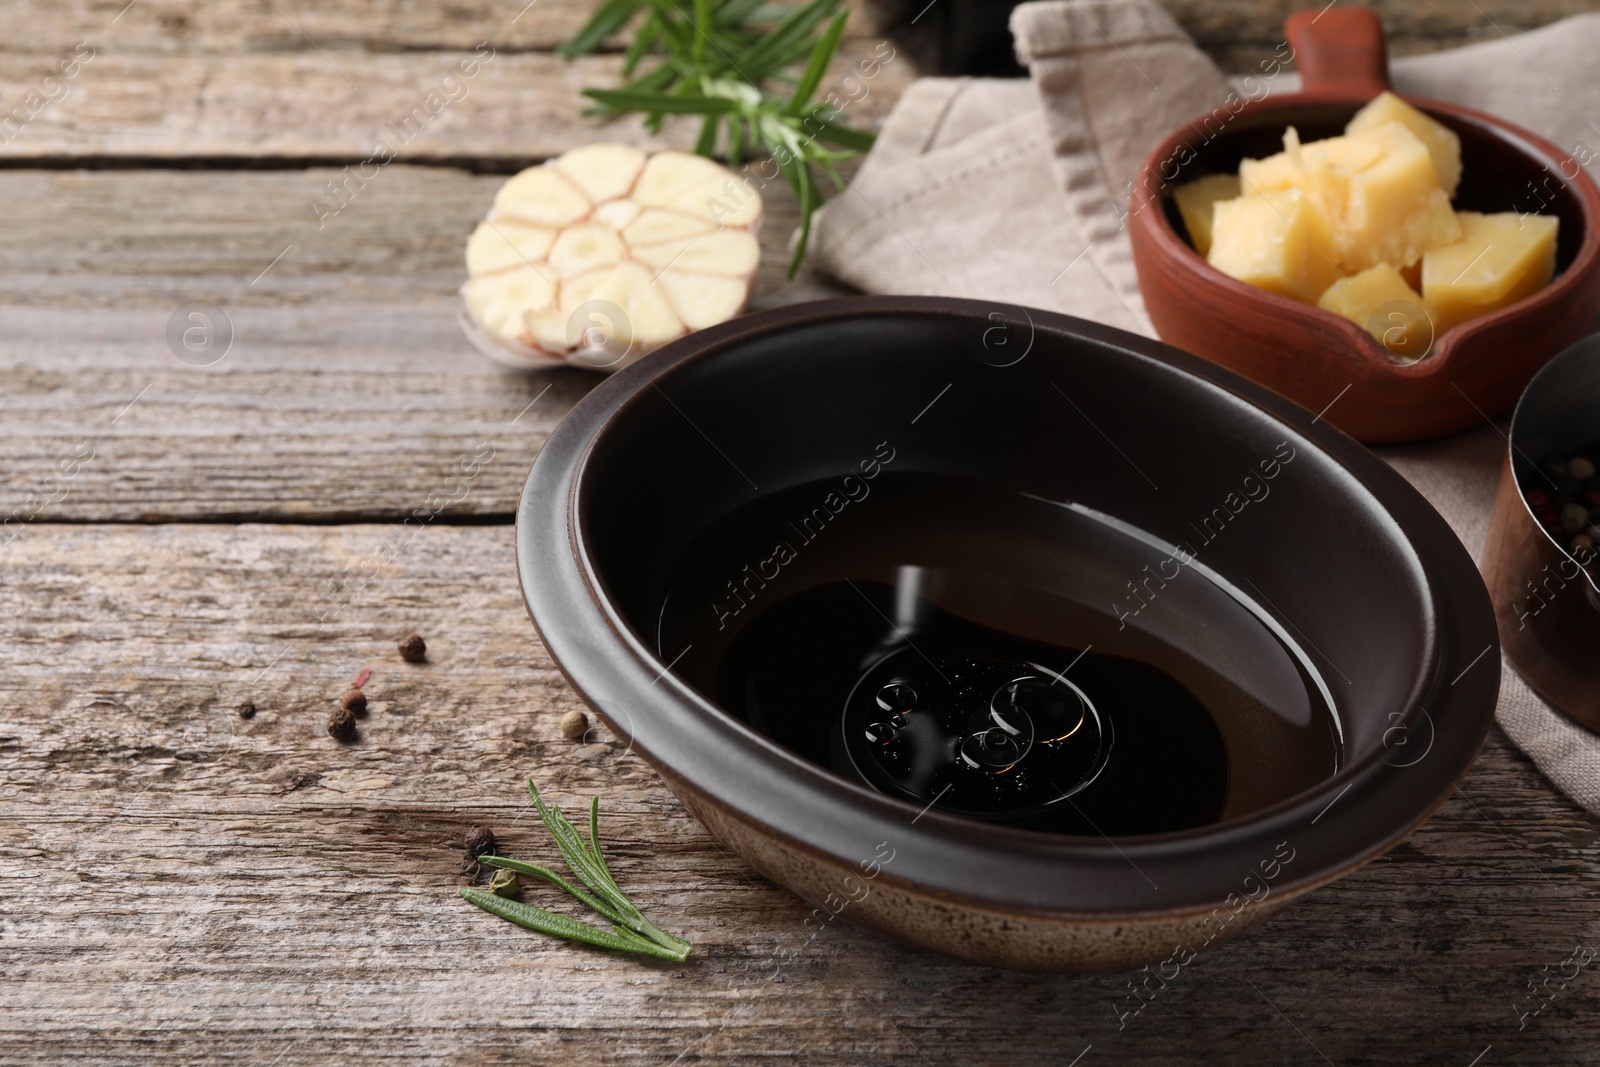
(1548, 606)
(1474, 370)
(1344, 560)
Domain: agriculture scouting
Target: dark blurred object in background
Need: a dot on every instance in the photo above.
(953, 36)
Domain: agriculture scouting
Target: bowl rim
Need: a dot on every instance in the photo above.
(701, 749)
(1580, 351)
(1360, 347)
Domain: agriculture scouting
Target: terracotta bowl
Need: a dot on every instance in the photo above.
(1548, 605)
(1349, 565)
(1474, 370)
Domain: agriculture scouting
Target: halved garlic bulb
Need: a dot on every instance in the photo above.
(604, 254)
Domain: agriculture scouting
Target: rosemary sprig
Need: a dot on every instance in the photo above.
(630, 930)
(731, 62)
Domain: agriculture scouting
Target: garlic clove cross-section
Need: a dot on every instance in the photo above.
(604, 254)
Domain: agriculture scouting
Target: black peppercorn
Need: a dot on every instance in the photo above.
(342, 725)
(480, 842)
(354, 701)
(413, 649)
(247, 710)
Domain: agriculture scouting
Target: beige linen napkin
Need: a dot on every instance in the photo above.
(1015, 191)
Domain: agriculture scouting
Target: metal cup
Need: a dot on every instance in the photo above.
(1546, 600)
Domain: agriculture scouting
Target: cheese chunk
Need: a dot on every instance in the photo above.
(1499, 260)
(1269, 175)
(1279, 241)
(1444, 147)
(1382, 194)
(1195, 200)
(1380, 302)
(1282, 171)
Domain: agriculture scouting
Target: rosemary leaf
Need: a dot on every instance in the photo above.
(799, 176)
(786, 34)
(737, 13)
(643, 925)
(660, 103)
(546, 922)
(817, 66)
(648, 34)
(533, 870)
(846, 137)
(575, 852)
(592, 871)
(606, 20)
(707, 142)
(702, 26)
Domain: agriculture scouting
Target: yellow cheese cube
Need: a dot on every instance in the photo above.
(1269, 175)
(1195, 200)
(1382, 194)
(1281, 171)
(1380, 302)
(1279, 241)
(1499, 260)
(1444, 147)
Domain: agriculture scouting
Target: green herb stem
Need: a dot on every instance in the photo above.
(547, 922)
(533, 870)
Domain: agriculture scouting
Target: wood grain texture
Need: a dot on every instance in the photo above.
(182, 884)
(180, 27)
(314, 105)
(349, 390)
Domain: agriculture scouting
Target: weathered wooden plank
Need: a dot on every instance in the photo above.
(142, 240)
(349, 389)
(179, 27)
(182, 884)
(176, 27)
(515, 107)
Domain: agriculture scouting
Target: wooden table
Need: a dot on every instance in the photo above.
(183, 884)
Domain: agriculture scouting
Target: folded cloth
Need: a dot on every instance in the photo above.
(1017, 191)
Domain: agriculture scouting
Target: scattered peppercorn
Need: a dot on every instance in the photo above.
(480, 842)
(247, 710)
(504, 883)
(342, 725)
(354, 701)
(413, 649)
(1581, 468)
(574, 724)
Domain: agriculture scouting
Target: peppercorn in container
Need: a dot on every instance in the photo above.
(1568, 506)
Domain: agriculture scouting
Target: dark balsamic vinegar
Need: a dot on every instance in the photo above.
(975, 649)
